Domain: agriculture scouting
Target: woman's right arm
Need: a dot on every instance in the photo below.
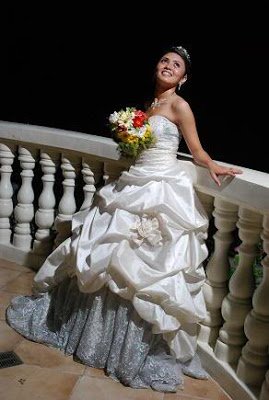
(187, 124)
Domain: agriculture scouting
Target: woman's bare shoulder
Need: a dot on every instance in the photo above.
(180, 107)
(180, 103)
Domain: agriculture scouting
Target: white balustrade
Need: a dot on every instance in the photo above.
(237, 303)
(45, 215)
(24, 210)
(265, 388)
(92, 171)
(217, 270)
(113, 170)
(241, 201)
(207, 202)
(254, 361)
(6, 190)
(67, 206)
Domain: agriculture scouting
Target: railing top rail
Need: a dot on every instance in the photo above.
(60, 138)
(251, 189)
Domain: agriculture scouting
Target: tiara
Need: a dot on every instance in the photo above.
(186, 54)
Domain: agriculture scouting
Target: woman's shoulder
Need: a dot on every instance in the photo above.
(180, 106)
(179, 102)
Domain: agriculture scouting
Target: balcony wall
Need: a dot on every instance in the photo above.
(48, 174)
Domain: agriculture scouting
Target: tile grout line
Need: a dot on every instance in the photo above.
(75, 385)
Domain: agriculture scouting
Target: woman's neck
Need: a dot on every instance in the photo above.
(162, 98)
(161, 93)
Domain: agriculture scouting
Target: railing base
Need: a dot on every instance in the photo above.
(224, 375)
(21, 256)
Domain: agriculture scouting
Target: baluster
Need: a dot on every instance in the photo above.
(45, 214)
(67, 205)
(92, 172)
(217, 270)
(265, 388)
(207, 202)
(112, 171)
(6, 191)
(254, 361)
(24, 210)
(237, 304)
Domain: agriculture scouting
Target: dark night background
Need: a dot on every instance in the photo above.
(60, 71)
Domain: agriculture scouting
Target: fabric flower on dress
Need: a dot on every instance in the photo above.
(147, 229)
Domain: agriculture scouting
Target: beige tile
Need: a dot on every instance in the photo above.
(224, 396)
(13, 266)
(107, 389)
(5, 299)
(22, 284)
(41, 355)
(95, 373)
(202, 389)
(30, 382)
(9, 338)
(7, 275)
(179, 396)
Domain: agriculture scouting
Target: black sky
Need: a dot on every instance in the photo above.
(62, 72)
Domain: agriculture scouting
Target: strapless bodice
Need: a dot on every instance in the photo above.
(165, 148)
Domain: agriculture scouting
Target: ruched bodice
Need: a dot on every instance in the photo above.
(164, 150)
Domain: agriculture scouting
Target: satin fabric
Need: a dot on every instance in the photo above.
(144, 238)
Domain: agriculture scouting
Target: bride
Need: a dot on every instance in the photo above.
(123, 293)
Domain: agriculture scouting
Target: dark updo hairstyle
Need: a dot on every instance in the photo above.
(182, 52)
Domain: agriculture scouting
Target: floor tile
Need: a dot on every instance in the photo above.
(199, 389)
(5, 299)
(107, 389)
(22, 284)
(180, 396)
(25, 382)
(7, 275)
(95, 373)
(38, 354)
(13, 266)
(9, 338)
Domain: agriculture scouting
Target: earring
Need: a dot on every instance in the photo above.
(179, 86)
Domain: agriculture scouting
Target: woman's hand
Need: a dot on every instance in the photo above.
(216, 170)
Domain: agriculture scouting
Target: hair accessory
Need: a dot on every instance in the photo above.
(183, 50)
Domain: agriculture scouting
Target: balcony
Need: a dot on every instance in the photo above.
(48, 174)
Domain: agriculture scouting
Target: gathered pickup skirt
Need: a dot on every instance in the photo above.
(101, 330)
(124, 292)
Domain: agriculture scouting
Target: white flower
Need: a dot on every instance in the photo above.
(147, 229)
(141, 131)
(126, 116)
(113, 118)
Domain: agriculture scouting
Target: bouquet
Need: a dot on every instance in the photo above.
(131, 130)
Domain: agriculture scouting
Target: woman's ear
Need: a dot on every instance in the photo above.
(183, 80)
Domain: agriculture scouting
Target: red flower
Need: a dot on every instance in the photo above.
(139, 119)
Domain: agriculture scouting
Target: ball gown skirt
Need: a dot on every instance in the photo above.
(124, 292)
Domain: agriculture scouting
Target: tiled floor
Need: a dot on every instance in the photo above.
(47, 374)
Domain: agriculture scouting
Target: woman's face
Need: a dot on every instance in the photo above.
(170, 69)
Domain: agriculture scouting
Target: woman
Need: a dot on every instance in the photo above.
(123, 293)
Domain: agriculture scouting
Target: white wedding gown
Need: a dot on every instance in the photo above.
(124, 291)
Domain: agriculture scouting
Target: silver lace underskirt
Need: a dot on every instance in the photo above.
(101, 330)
